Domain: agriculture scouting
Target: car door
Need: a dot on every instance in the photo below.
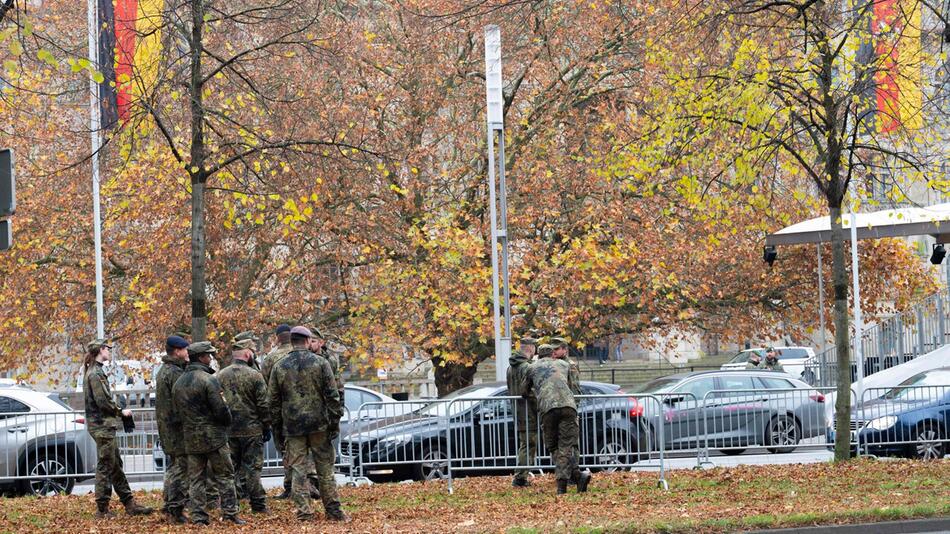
(495, 435)
(14, 433)
(683, 412)
(735, 410)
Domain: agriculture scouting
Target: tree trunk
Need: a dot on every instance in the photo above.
(199, 309)
(451, 376)
(839, 276)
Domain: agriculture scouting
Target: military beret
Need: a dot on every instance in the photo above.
(300, 331)
(558, 342)
(249, 335)
(97, 344)
(241, 344)
(201, 347)
(281, 328)
(545, 350)
(529, 341)
(176, 342)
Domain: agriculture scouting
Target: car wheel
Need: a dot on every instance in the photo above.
(612, 455)
(434, 464)
(928, 446)
(782, 435)
(47, 464)
(732, 452)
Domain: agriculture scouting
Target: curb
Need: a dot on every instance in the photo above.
(937, 524)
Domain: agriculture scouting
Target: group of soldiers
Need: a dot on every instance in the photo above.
(548, 385)
(771, 361)
(213, 427)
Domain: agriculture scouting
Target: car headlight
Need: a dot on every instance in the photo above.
(882, 423)
(398, 439)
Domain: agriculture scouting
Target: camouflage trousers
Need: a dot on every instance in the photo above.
(212, 468)
(312, 452)
(247, 455)
(526, 418)
(175, 491)
(289, 473)
(562, 440)
(109, 474)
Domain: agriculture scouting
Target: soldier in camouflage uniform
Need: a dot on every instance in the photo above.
(554, 387)
(200, 405)
(771, 361)
(169, 429)
(318, 346)
(252, 346)
(545, 350)
(526, 411)
(304, 403)
(246, 395)
(103, 418)
(274, 357)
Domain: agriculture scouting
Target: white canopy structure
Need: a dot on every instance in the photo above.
(903, 222)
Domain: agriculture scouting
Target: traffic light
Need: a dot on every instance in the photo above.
(7, 183)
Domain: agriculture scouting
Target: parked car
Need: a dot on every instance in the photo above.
(40, 435)
(800, 362)
(910, 420)
(354, 397)
(733, 410)
(482, 434)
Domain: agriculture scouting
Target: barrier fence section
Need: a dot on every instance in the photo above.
(776, 418)
(907, 420)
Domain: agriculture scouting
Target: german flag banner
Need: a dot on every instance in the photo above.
(130, 44)
(893, 51)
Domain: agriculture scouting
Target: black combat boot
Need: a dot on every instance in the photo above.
(134, 508)
(584, 480)
(561, 487)
(176, 517)
(520, 482)
(102, 511)
(335, 513)
(235, 520)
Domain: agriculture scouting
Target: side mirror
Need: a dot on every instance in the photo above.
(673, 400)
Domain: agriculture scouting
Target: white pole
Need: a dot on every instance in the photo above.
(858, 325)
(94, 127)
(821, 301)
(499, 228)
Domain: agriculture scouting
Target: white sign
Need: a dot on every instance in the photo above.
(493, 84)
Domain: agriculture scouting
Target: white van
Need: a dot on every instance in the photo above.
(800, 362)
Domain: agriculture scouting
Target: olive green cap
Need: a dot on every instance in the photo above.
(529, 341)
(545, 350)
(241, 344)
(246, 335)
(201, 347)
(98, 343)
(558, 342)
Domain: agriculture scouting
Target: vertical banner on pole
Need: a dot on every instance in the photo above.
(497, 200)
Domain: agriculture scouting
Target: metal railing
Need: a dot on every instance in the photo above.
(892, 341)
(45, 453)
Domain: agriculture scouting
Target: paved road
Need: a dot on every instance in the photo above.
(939, 525)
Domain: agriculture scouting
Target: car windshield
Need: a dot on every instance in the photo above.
(924, 386)
(658, 385)
(440, 408)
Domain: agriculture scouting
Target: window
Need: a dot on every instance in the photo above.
(10, 406)
(736, 383)
(697, 388)
(792, 354)
(774, 383)
(353, 399)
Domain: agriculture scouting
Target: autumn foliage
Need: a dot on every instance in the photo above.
(368, 213)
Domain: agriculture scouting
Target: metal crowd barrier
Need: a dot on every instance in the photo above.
(902, 421)
(49, 452)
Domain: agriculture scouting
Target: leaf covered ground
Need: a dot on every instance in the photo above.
(716, 500)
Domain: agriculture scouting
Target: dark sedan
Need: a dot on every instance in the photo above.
(479, 426)
(909, 420)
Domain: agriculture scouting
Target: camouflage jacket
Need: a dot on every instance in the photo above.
(169, 426)
(553, 384)
(101, 409)
(200, 405)
(334, 359)
(246, 394)
(753, 365)
(273, 358)
(518, 367)
(302, 395)
(775, 366)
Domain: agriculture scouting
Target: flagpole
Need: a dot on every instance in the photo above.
(94, 127)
